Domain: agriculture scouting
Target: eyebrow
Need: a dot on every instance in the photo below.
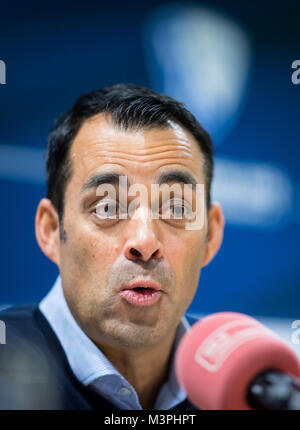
(113, 178)
(177, 176)
(101, 178)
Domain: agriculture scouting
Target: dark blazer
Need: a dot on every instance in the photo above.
(35, 373)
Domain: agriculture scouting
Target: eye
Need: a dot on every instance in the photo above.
(106, 209)
(175, 209)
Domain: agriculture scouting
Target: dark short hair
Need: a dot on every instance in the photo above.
(130, 107)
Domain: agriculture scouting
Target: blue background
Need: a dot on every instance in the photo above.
(56, 51)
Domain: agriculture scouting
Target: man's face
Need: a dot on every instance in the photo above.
(100, 256)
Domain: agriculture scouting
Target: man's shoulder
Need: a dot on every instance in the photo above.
(18, 312)
(19, 320)
(25, 328)
(34, 373)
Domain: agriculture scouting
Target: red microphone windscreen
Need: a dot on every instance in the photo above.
(222, 353)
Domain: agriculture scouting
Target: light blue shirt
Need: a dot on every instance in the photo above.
(90, 365)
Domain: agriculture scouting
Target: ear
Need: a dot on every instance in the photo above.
(215, 232)
(47, 230)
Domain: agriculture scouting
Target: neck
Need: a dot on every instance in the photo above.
(145, 369)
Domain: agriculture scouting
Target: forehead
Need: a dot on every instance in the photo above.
(100, 145)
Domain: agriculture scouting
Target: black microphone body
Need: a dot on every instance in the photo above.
(274, 390)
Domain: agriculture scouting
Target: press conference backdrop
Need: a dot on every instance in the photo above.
(229, 62)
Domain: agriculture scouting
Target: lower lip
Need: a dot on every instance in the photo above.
(141, 298)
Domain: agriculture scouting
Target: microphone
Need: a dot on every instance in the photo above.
(229, 360)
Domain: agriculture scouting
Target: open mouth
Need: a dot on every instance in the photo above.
(141, 296)
(143, 290)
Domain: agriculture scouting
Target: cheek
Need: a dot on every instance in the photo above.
(88, 254)
(186, 261)
(185, 254)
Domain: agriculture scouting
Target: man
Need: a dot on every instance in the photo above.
(106, 334)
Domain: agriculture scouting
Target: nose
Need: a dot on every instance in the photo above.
(142, 243)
